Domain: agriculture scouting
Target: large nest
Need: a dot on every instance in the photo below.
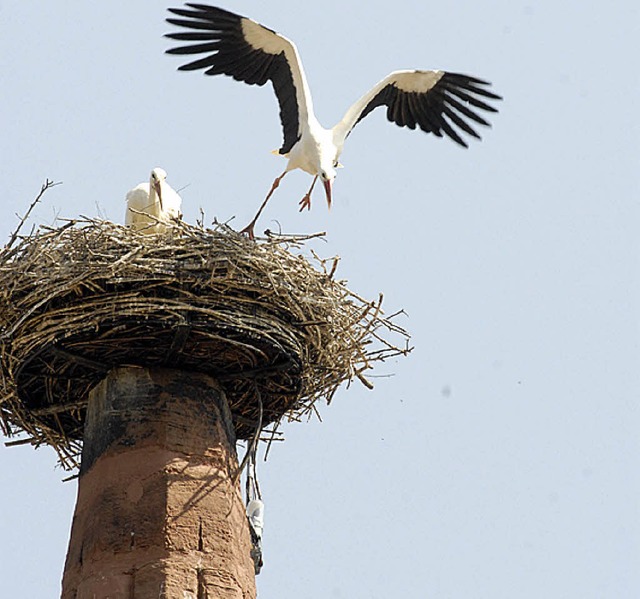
(278, 333)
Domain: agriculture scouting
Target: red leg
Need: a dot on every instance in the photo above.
(305, 202)
(248, 230)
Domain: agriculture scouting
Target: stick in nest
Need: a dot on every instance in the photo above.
(45, 186)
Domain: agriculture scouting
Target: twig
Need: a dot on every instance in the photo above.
(281, 237)
(251, 448)
(45, 186)
(18, 442)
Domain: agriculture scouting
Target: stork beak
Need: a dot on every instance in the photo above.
(327, 190)
(158, 189)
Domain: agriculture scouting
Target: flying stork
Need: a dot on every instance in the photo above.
(437, 101)
(156, 199)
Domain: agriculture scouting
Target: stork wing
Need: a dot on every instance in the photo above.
(245, 50)
(436, 101)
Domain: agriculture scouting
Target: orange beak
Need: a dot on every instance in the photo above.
(327, 190)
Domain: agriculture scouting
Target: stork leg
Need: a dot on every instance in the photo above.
(248, 230)
(305, 202)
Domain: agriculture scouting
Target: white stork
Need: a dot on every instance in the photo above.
(435, 101)
(156, 199)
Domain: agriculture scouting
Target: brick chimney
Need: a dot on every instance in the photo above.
(158, 513)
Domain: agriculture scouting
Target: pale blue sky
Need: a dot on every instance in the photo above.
(516, 261)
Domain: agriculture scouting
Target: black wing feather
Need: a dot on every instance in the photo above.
(460, 122)
(228, 53)
(425, 120)
(194, 36)
(445, 108)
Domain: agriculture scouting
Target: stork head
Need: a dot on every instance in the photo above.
(158, 176)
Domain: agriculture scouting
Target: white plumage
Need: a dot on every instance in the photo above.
(436, 101)
(150, 205)
(255, 513)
